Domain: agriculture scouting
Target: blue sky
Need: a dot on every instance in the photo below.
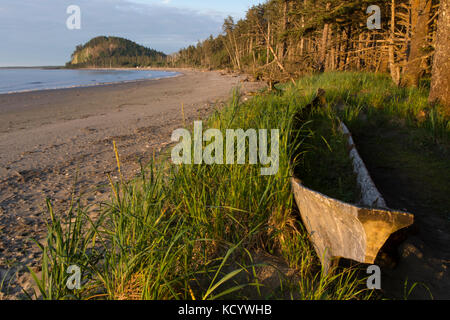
(235, 8)
(34, 32)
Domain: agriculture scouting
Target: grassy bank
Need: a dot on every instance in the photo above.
(204, 232)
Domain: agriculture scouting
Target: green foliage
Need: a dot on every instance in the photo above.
(281, 24)
(66, 245)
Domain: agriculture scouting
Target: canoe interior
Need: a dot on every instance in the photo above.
(351, 231)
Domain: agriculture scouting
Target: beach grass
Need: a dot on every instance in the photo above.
(196, 231)
(324, 164)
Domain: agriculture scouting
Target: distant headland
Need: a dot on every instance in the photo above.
(115, 52)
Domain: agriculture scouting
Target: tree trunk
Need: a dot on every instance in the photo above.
(420, 11)
(394, 68)
(268, 43)
(440, 82)
(302, 41)
(360, 47)
(324, 45)
(284, 30)
(323, 48)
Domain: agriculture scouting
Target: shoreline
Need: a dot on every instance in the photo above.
(180, 74)
(56, 142)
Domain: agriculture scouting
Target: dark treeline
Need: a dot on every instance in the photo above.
(284, 39)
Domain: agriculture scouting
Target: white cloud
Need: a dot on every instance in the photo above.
(35, 32)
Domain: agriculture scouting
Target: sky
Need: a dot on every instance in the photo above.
(34, 32)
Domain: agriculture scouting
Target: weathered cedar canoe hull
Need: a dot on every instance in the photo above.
(341, 230)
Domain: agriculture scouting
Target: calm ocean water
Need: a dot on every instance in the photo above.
(19, 80)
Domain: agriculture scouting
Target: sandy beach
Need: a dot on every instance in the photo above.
(48, 138)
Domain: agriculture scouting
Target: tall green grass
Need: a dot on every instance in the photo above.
(376, 95)
(324, 164)
(192, 231)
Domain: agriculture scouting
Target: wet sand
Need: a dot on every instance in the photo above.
(47, 138)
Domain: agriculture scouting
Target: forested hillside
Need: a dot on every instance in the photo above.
(106, 52)
(285, 39)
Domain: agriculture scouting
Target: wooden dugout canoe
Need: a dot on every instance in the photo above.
(341, 230)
